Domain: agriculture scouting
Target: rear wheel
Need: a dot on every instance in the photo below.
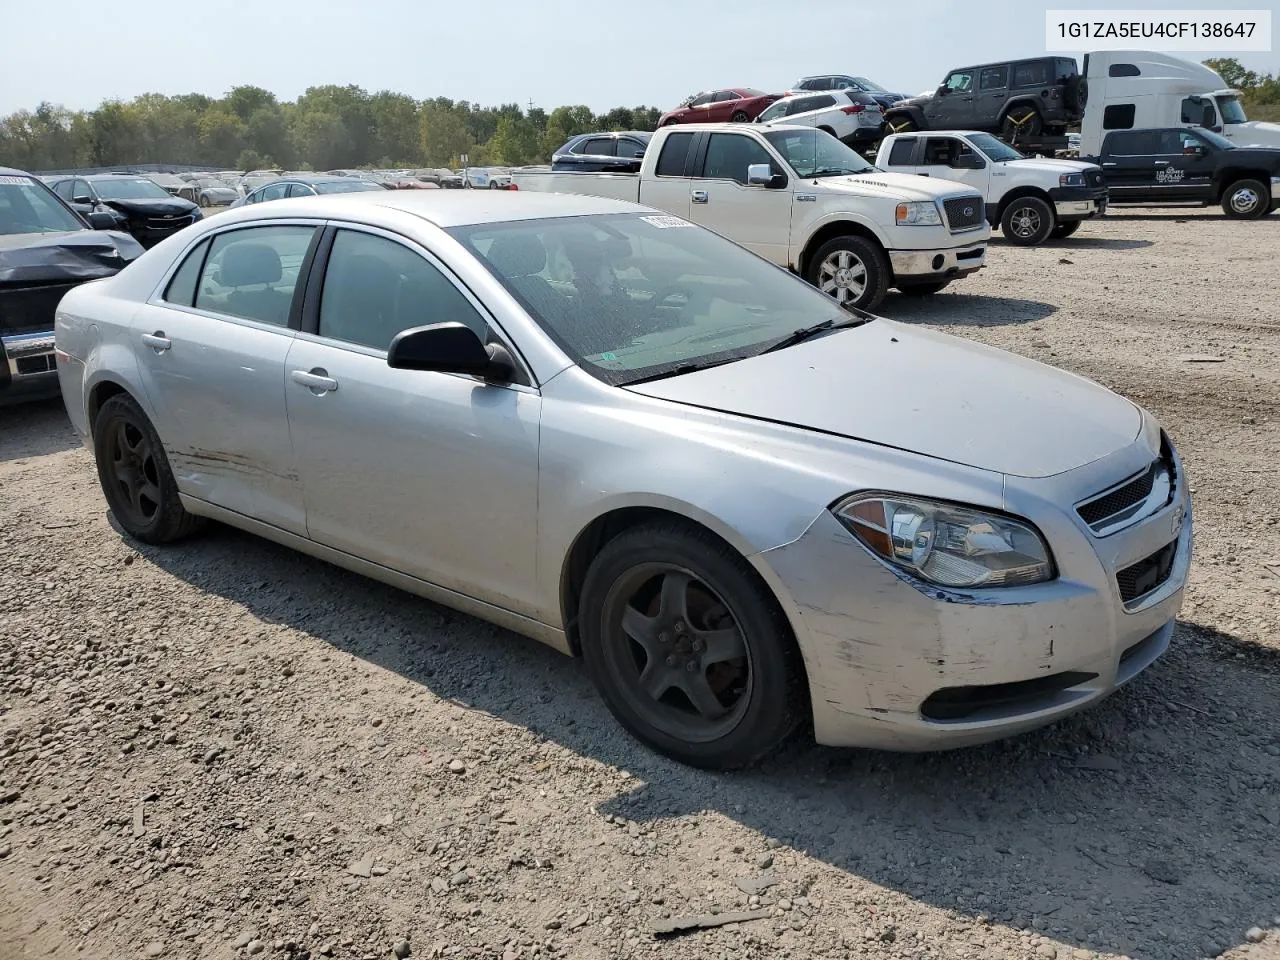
(135, 474)
(903, 123)
(923, 289)
(852, 270)
(1027, 221)
(1064, 230)
(740, 117)
(1021, 123)
(688, 648)
(1246, 200)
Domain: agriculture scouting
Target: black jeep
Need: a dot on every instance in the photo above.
(1017, 99)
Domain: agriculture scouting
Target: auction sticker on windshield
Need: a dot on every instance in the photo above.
(16, 181)
(662, 223)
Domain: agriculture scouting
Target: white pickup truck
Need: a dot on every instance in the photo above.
(1030, 198)
(801, 198)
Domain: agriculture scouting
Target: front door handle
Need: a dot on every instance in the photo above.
(1109, 163)
(157, 341)
(700, 196)
(1161, 163)
(317, 380)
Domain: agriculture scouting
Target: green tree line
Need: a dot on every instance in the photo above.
(1259, 92)
(328, 127)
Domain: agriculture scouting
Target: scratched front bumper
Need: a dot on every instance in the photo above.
(877, 645)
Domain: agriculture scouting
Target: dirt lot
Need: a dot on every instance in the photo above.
(225, 750)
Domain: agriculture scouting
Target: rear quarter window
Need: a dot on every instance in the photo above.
(675, 152)
(902, 151)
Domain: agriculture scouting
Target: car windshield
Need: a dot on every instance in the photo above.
(869, 85)
(633, 296)
(1221, 142)
(130, 188)
(812, 153)
(1231, 110)
(28, 207)
(347, 185)
(997, 151)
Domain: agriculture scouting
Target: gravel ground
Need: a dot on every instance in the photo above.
(224, 749)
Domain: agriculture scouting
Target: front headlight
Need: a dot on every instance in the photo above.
(1071, 180)
(944, 544)
(918, 213)
(196, 214)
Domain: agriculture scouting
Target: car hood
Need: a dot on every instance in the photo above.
(892, 186)
(1266, 157)
(1045, 165)
(172, 206)
(924, 392)
(30, 259)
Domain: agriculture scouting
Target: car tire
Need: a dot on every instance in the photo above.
(1027, 221)
(1020, 123)
(658, 603)
(1062, 230)
(671, 122)
(923, 289)
(901, 124)
(739, 116)
(867, 280)
(135, 475)
(1246, 200)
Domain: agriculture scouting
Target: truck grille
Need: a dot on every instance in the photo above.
(1139, 579)
(30, 309)
(964, 213)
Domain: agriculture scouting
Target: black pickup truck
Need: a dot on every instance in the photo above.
(1174, 165)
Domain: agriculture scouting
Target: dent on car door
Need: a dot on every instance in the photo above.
(211, 348)
(431, 474)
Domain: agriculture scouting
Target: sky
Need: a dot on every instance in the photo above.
(603, 53)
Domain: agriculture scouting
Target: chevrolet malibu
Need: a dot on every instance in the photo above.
(746, 508)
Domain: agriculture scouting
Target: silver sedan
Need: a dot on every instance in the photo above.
(745, 508)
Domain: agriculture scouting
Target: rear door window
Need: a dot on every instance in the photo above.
(994, 78)
(1138, 143)
(252, 273)
(902, 152)
(182, 287)
(675, 151)
(600, 147)
(629, 148)
(1032, 73)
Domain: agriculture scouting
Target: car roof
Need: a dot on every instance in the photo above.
(14, 172)
(442, 208)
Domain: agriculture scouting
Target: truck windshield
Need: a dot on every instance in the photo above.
(632, 297)
(997, 151)
(1231, 110)
(812, 153)
(28, 207)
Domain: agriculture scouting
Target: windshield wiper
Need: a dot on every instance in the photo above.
(680, 369)
(804, 333)
(832, 172)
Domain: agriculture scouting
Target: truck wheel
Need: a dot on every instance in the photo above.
(1063, 230)
(901, 124)
(1020, 123)
(852, 270)
(922, 289)
(739, 117)
(1246, 200)
(1027, 221)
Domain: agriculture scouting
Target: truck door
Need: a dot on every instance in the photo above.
(722, 200)
(1129, 161)
(1192, 166)
(952, 158)
(952, 108)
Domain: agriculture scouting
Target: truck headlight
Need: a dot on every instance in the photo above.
(918, 213)
(1071, 180)
(945, 544)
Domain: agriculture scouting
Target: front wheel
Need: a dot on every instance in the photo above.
(901, 124)
(1063, 230)
(739, 117)
(1027, 221)
(688, 648)
(1246, 200)
(923, 289)
(135, 474)
(852, 270)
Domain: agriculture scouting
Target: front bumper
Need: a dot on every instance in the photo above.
(1275, 193)
(1078, 203)
(925, 265)
(27, 366)
(881, 649)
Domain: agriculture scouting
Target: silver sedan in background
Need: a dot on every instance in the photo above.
(620, 434)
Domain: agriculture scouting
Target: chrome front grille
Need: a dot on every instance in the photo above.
(964, 213)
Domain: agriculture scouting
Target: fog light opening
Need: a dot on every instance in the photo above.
(938, 261)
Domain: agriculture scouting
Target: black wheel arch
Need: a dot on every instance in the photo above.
(100, 393)
(1228, 177)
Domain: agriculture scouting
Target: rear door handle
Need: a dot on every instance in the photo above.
(317, 380)
(157, 341)
(700, 196)
(1109, 163)
(1162, 163)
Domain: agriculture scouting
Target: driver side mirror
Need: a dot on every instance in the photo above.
(1193, 150)
(449, 347)
(101, 220)
(82, 198)
(762, 175)
(943, 90)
